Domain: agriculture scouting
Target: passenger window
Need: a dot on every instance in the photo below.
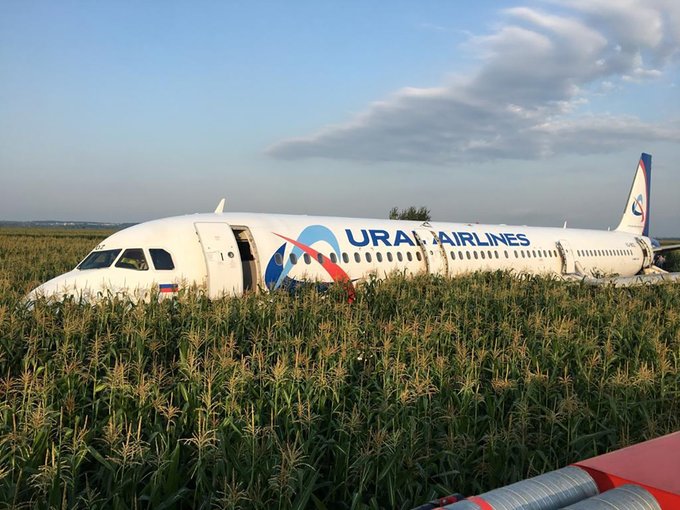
(467, 254)
(345, 258)
(293, 258)
(357, 257)
(400, 257)
(506, 253)
(481, 253)
(419, 256)
(378, 257)
(163, 261)
(497, 255)
(99, 259)
(334, 258)
(307, 258)
(368, 257)
(453, 255)
(389, 256)
(133, 258)
(319, 257)
(409, 256)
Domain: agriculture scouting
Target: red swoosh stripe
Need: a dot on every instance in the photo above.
(335, 271)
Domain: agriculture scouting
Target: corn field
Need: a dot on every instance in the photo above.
(424, 386)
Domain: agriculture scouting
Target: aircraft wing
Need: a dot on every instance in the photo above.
(666, 248)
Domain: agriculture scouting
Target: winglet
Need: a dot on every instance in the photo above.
(220, 207)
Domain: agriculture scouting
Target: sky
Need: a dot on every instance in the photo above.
(496, 112)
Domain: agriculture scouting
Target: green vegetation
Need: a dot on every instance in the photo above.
(270, 401)
(672, 259)
(672, 263)
(411, 213)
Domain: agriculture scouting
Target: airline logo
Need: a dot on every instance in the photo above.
(638, 207)
(378, 237)
(277, 271)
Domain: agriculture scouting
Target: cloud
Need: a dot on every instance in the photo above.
(535, 71)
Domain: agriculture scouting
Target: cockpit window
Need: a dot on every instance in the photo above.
(133, 258)
(161, 259)
(99, 259)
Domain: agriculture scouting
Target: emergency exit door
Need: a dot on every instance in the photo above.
(433, 251)
(567, 254)
(222, 260)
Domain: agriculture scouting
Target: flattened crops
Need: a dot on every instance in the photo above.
(424, 386)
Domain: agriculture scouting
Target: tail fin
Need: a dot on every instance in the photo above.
(635, 217)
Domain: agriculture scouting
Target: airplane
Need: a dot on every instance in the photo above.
(233, 253)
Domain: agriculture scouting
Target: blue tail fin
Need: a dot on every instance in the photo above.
(635, 217)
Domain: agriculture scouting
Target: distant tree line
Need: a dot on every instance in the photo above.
(411, 213)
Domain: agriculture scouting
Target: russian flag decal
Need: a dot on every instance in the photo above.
(168, 287)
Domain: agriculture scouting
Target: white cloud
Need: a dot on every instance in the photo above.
(521, 101)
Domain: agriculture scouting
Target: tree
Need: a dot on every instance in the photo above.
(419, 214)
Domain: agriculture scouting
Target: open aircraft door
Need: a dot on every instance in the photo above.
(567, 254)
(433, 251)
(647, 253)
(225, 272)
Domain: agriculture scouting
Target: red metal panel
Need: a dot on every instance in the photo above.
(654, 465)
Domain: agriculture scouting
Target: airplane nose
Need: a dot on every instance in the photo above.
(56, 287)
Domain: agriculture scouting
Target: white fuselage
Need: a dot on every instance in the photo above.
(229, 253)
